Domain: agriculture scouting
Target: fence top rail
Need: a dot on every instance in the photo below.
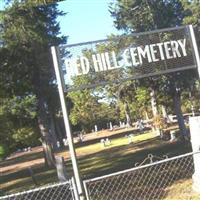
(36, 189)
(132, 34)
(102, 83)
(140, 167)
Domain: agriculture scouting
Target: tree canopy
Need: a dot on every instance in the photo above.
(28, 30)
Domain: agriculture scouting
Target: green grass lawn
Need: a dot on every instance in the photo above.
(95, 160)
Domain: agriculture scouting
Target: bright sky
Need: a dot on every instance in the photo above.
(86, 20)
(1, 4)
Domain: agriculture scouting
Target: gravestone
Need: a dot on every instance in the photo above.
(173, 135)
(111, 126)
(108, 142)
(61, 169)
(65, 142)
(102, 141)
(129, 139)
(95, 128)
(58, 144)
(32, 175)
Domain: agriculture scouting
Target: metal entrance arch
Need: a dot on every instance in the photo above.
(130, 57)
(119, 59)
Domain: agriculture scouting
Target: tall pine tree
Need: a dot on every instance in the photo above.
(27, 33)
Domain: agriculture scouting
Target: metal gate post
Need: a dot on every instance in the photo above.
(194, 123)
(60, 83)
(194, 44)
(86, 191)
(75, 192)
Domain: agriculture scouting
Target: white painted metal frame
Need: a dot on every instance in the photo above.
(66, 121)
(36, 190)
(196, 52)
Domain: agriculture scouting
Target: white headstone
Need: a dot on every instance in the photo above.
(107, 142)
(95, 128)
(194, 123)
(102, 141)
(111, 127)
(173, 136)
(58, 144)
(129, 139)
(61, 169)
(65, 142)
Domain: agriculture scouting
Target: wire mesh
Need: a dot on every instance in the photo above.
(129, 57)
(61, 191)
(153, 181)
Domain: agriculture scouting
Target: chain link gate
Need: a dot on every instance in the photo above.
(147, 182)
(60, 191)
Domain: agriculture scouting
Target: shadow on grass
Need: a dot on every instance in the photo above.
(96, 164)
(29, 156)
(150, 182)
(21, 180)
(125, 157)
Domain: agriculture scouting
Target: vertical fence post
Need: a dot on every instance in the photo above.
(60, 83)
(194, 123)
(195, 48)
(75, 192)
(86, 191)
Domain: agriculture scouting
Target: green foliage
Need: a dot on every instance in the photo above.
(21, 107)
(159, 122)
(143, 100)
(191, 12)
(87, 111)
(144, 15)
(27, 32)
(26, 136)
(17, 119)
(3, 151)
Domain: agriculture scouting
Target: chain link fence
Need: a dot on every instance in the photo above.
(168, 179)
(61, 191)
(171, 178)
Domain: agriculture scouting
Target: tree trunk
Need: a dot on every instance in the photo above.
(164, 113)
(154, 111)
(127, 114)
(45, 136)
(153, 103)
(59, 131)
(53, 130)
(146, 114)
(178, 111)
